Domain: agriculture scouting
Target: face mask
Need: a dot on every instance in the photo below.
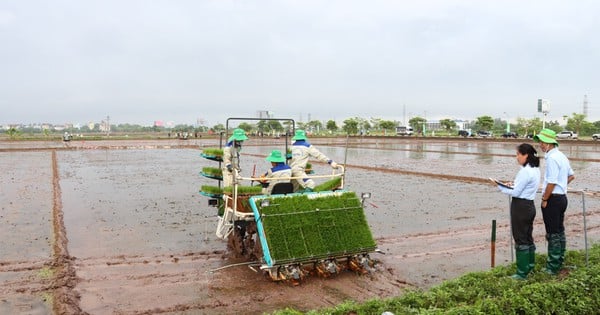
(237, 144)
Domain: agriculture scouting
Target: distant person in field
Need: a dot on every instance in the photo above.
(557, 176)
(302, 150)
(522, 208)
(231, 155)
(278, 170)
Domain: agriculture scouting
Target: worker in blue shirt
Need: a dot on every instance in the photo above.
(279, 172)
(522, 208)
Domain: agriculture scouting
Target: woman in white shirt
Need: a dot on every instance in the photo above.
(522, 208)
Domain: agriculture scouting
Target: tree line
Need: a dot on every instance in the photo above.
(352, 126)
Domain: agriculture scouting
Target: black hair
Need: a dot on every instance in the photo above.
(532, 159)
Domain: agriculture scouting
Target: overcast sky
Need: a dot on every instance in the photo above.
(139, 61)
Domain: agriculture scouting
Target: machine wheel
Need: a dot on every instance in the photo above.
(235, 242)
(243, 241)
(253, 249)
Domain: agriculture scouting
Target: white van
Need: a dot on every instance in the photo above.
(404, 131)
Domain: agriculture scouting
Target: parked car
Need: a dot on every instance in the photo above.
(404, 131)
(484, 134)
(464, 133)
(566, 134)
(510, 135)
(596, 136)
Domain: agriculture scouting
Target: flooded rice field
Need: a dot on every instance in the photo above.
(118, 227)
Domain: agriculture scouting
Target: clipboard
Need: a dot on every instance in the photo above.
(500, 183)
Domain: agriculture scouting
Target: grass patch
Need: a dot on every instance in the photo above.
(46, 273)
(494, 292)
(48, 299)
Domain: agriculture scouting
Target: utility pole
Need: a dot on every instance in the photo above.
(425, 124)
(107, 126)
(544, 108)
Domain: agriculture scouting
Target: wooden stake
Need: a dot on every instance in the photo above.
(493, 243)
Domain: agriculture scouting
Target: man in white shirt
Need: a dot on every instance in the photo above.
(557, 176)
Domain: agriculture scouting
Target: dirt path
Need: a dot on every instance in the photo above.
(64, 280)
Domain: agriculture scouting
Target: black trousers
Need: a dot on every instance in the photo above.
(554, 214)
(522, 213)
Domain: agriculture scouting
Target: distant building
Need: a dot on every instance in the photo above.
(435, 124)
(462, 124)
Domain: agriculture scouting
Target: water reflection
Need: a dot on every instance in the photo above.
(485, 153)
(418, 152)
(448, 152)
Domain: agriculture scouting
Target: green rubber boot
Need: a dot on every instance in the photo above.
(522, 264)
(531, 258)
(563, 246)
(553, 263)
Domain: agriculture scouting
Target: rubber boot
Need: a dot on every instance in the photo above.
(531, 258)
(563, 246)
(553, 263)
(522, 264)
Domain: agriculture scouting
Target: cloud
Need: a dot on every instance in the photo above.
(140, 61)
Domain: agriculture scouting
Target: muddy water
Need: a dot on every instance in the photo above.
(142, 239)
(25, 230)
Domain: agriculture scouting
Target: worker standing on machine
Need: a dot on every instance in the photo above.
(231, 155)
(301, 151)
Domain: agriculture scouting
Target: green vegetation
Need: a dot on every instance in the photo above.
(211, 189)
(13, 133)
(329, 185)
(352, 126)
(212, 151)
(494, 292)
(48, 299)
(244, 190)
(213, 172)
(214, 154)
(46, 273)
(315, 225)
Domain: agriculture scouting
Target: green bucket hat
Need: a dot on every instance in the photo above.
(276, 156)
(238, 135)
(300, 135)
(546, 136)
